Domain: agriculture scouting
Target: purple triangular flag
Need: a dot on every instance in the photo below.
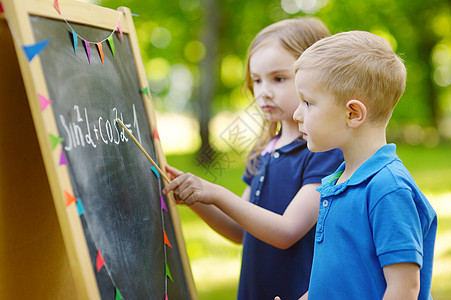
(88, 51)
(163, 205)
(63, 159)
(32, 50)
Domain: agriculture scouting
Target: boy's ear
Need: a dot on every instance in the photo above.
(356, 113)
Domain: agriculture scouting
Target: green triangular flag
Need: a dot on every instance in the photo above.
(111, 42)
(145, 91)
(168, 273)
(55, 140)
(118, 295)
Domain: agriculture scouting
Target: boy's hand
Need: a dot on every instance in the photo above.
(187, 188)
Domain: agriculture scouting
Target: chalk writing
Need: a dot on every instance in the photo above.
(84, 132)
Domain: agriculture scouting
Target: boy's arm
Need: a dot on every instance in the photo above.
(403, 281)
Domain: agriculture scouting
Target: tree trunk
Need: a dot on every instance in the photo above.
(208, 72)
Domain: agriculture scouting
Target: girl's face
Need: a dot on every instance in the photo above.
(271, 71)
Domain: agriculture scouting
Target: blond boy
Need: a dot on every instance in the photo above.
(376, 230)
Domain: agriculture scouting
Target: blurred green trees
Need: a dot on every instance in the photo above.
(194, 52)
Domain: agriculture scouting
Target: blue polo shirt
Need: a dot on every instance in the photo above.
(376, 218)
(267, 271)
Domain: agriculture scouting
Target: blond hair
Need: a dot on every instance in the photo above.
(294, 35)
(358, 65)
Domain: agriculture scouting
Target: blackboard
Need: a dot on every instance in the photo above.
(117, 196)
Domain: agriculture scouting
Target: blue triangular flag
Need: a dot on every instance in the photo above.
(32, 50)
(75, 39)
(155, 171)
(80, 207)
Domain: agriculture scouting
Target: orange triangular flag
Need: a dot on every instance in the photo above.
(69, 198)
(99, 46)
(166, 240)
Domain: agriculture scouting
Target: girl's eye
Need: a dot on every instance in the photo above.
(256, 80)
(280, 79)
(307, 103)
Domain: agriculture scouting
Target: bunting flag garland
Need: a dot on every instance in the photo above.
(111, 43)
(63, 159)
(75, 40)
(100, 262)
(88, 50)
(69, 198)
(99, 47)
(32, 50)
(57, 6)
(44, 101)
(55, 140)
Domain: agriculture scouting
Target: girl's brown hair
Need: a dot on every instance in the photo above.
(294, 35)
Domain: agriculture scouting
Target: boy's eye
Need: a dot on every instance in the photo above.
(280, 79)
(256, 80)
(306, 103)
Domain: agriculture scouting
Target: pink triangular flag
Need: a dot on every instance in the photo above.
(99, 262)
(44, 101)
(88, 51)
(63, 159)
(165, 296)
(163, 205)
(99, 46)
(155, 134)
(118, 26)
(56, 6)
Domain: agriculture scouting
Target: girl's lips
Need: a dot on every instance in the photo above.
(268, 108)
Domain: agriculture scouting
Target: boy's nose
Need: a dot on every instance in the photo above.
(298, 115)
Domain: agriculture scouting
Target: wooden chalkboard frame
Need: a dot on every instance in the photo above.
(18, 14)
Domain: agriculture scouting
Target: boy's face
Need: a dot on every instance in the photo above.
(322, 122)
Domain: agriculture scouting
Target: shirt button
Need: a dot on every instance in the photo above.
(257, 193)
(276, 155)
(262, 178)
(325, 203)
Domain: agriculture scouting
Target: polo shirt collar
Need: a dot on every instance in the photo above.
(297, 143)
(374, 164)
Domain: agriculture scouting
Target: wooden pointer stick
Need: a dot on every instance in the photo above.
(144, 151)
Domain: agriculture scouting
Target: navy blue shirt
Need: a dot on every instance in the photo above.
(267, 271)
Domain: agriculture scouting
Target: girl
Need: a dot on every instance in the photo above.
(274, 218)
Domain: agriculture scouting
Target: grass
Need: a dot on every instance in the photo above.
(215, 261)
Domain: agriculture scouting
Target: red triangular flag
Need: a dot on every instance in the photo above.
(44, 102)
(155, 134)
(99, 46)
(69, 198)
(1, 8)
(56, 6)
(99, 262)
(166, 240)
